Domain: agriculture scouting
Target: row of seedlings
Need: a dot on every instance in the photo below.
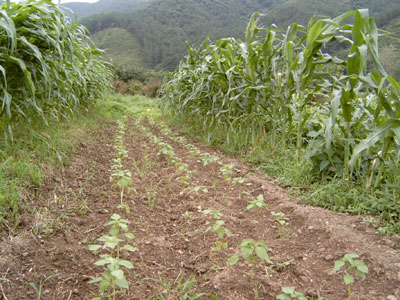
(255, 252)
(113, 280)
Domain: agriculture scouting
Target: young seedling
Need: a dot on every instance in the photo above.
(239, 181)
(289, 293)
(113, 276)
(167, 151)
(184, 179)
(207, 159)
(283, 222)
(197, 190)
(218, 228)
(254, 253)
(354, 266)
(257, 204)
(227, 171)
(122, 179)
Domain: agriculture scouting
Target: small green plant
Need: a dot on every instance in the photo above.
(182, 288)
(151, 193)
(145, 167)
(184, 179)
(207, 159)
(122, 179)
(218, 228)
(280, 218)
(38, 289)
(354, 266)
(258, 203)
(227, 171)
(289, 293)
(197, 190)
(283, 222)
(167, 151)
(113, 276)
(253, 253)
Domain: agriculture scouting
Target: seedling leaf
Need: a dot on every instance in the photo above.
(233, 260)
(348, 279)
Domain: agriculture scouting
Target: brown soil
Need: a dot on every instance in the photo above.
(170, 232)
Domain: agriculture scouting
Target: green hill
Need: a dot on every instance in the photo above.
(84, 9)
(390, 48)
(162, 27)
(122, 48)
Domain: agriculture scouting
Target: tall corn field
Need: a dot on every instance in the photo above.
(340, 113)
(48, 66)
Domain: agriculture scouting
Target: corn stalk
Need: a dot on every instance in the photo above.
(48, 66)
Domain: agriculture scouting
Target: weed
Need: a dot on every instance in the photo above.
(38, 289)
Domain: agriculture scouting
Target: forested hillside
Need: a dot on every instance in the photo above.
(162, 27)
(84, 9)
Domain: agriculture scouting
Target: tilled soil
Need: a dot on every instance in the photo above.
(166, 216)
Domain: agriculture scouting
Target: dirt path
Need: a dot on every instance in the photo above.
(168, 218)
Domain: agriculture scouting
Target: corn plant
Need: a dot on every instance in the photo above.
(281, 85)
(113, 276)
(354, 265)
(48, 65)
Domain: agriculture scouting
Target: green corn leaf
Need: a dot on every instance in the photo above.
(379, 134)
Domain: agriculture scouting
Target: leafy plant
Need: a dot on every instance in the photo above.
(38, 289)
(218, 227)
(182, 288)
(254, 253)
(258, 203)
(207, 159)
(354, 267)
(122, 179)
(289, 293)
(49, 67)
(227, 171)
(340, 116)
(113, 276)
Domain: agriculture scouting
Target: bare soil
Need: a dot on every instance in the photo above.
(51, 247)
